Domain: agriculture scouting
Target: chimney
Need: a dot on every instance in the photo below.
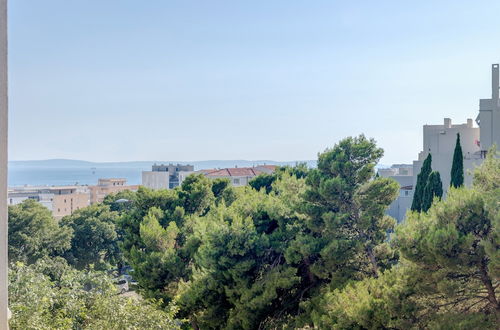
(494, 83)
(447, 122)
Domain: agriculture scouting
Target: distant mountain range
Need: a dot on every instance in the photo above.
(205, 164)
(198, 165)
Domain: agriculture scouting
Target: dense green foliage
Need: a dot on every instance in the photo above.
(309, 248)
(95, 240)
(422, 178)
(266, 181)
(457, 167)
(448, 277)
(51, 295)
(433, 188)
(34, 233)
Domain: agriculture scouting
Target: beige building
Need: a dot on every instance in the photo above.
(440, 141)
(68, 199)
(105, 187)
(61, 201)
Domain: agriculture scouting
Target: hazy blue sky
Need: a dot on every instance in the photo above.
(119, 80)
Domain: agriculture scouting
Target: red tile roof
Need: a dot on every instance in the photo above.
(238, 171)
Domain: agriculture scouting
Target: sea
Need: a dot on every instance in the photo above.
(56, 172)
(60, 176)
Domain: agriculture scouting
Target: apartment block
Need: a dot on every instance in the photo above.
(166, 176)
(61, 200)
(108, 186)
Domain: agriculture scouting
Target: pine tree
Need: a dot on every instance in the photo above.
(421, 182)
(457, 168)
(433, 188)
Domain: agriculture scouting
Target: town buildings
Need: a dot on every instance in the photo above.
(64, 200)
(440, 141)
(105, 187)
(403, 174)
(60, 200)
(239, 176)
(166, 176)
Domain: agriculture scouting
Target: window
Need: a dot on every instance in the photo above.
(236, 181)
(407, 192)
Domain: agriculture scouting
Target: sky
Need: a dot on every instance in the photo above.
(123, 80)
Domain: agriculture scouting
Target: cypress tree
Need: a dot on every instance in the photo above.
(422, 177)
(433, 188)
(457, 168)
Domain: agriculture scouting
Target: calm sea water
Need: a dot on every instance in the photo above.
(34, 176)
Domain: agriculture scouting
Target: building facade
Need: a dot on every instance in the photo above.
(440, 141)
(165, 176)
(489, 115)
(61, 201)
(403, 174)
(105, 187)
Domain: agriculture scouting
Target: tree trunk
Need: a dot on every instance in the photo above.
(373, 261)
(485, 278)
(194, 324)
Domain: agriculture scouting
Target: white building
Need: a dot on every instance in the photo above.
(489, 115)
(166, 176)
(403, 174)
(440, 141)
(155, 180)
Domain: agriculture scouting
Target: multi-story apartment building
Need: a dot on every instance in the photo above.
(489, 115)
(440, 141)
(62, 200)
(105, 187)
(165, 176)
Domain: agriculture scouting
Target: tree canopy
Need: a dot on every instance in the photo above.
(34, 233)
(457, 167)
(422, 178)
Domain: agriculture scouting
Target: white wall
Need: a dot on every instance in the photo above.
(155, 180)
(440, 141)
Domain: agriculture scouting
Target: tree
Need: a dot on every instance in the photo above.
(127, 198)
(422, 178)
(157, 234)
(433, 188)
(448, 276)
(457, 168)
(34, 233)
(95, 239)
(241, 278)
(266, 181)
(455, 244)
(77, 300)
(345, 211)
(263, 181)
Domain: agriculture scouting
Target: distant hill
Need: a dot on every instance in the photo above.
(69, 163)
